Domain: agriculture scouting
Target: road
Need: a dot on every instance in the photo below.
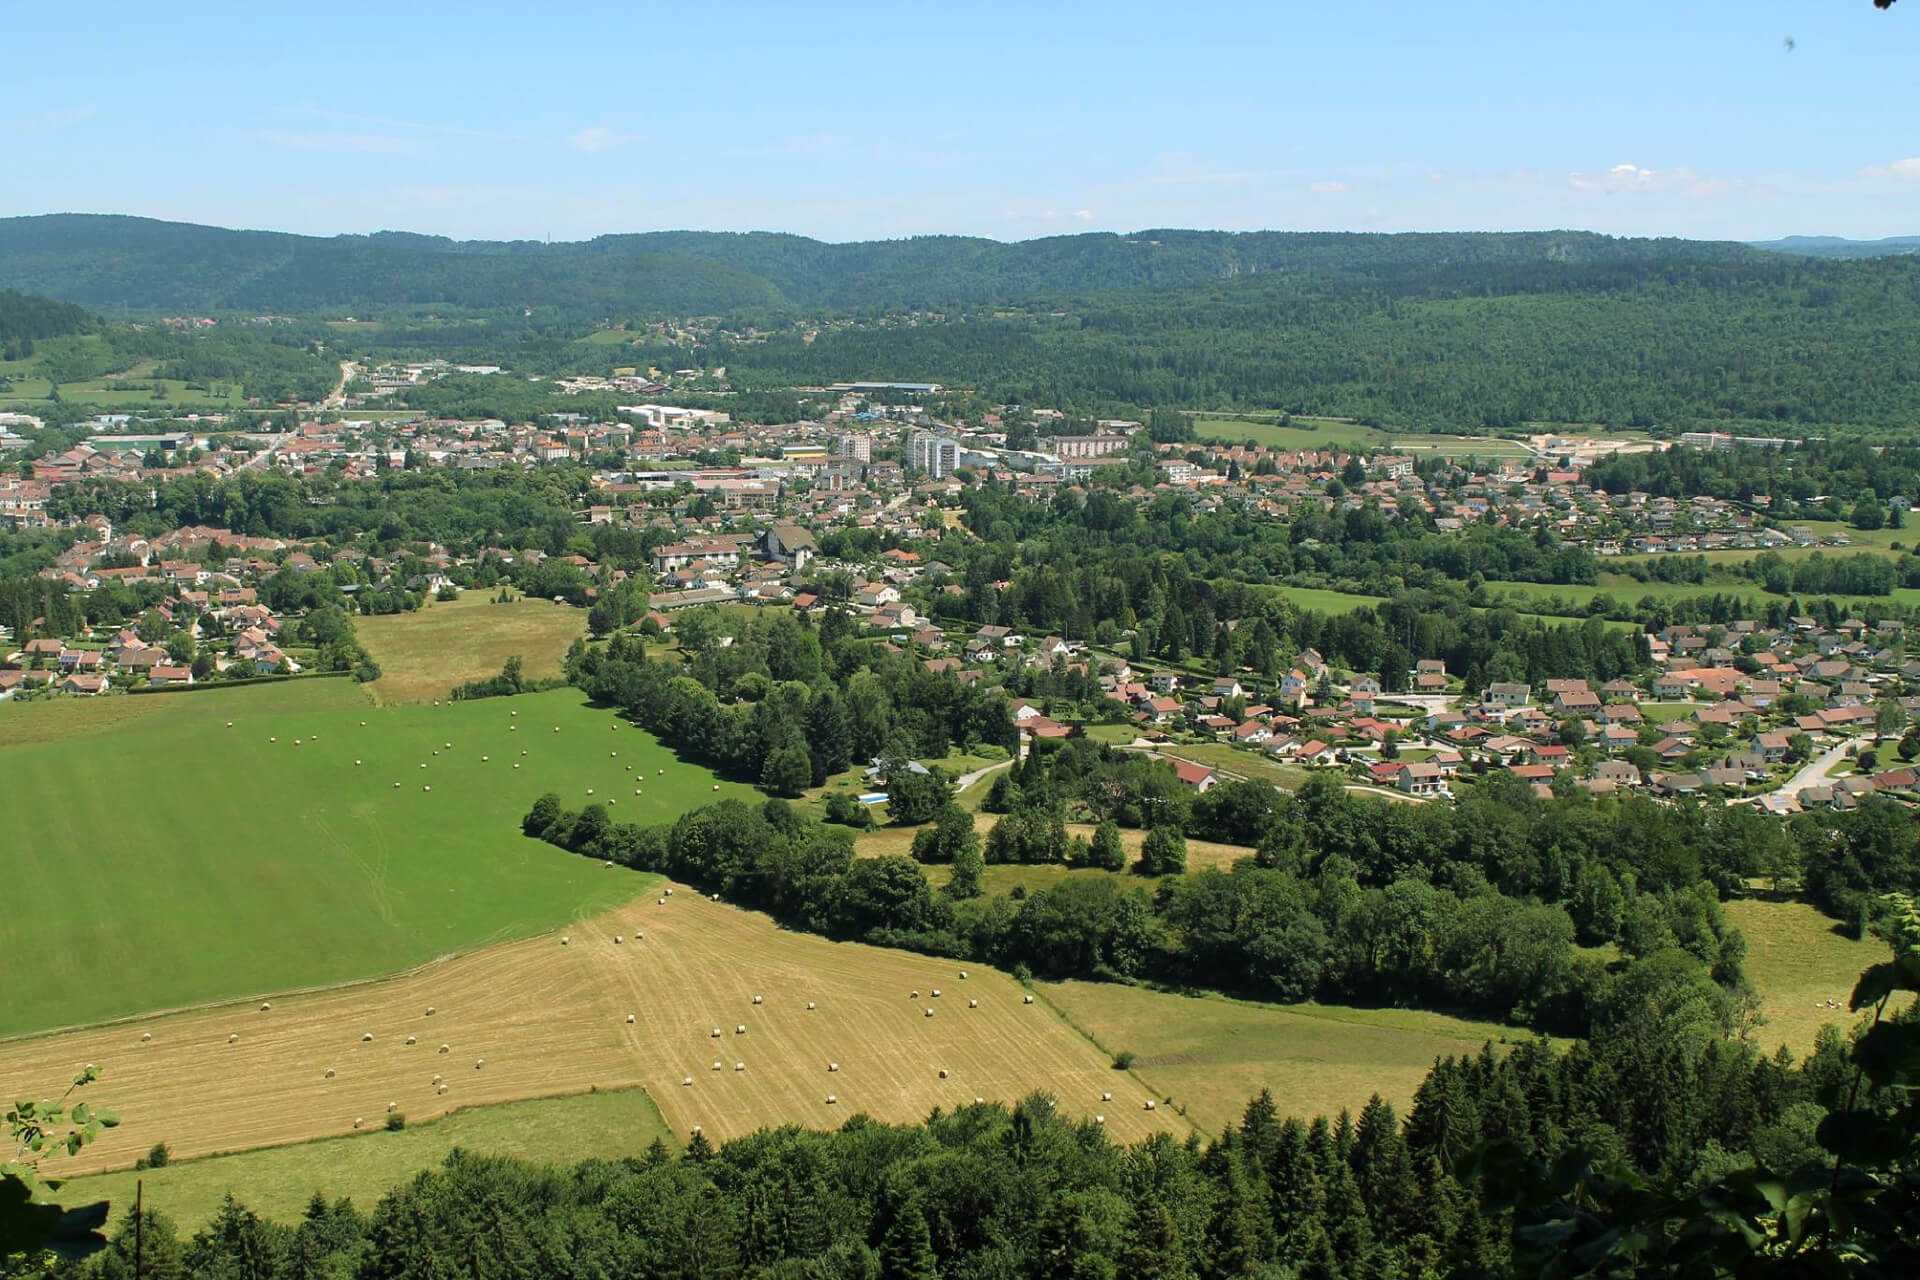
(1815, 773)
(338, 396)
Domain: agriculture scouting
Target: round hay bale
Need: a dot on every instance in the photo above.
(688, 1080)
(973, 1004)
(616, 939)
(943, 1073)
(513, 713)
(426, 788)
(367, 1038)
(637, 935)
(659, 902)
(449, 746)
(809, 1006)
(233, 1039)
(963, 975)
(717, 1064)
(296, 742)
(441, 1089)
(445, 1048)
(629, 768)
(392, 1107)
(716, 1034)
(484, 759)
(636, 791)
(669, 891)
(516, 764)
(429, 1011)
(479, 1063)
(273, 739)
(329, 1074)
(929, 1012)
(613, 800)
(556, 728)
(977, 1099)
(739, 1066)
(833, 1066)
(936, 993)
(607, 863)
(436, 754)
(145, 1036)
(513, 728)
(230, 723)
(356, 763)
(363, 724)
(1026, 999)
(612, 754)
(565, 939)
(1099, 1119)
(716, 786)
(357, 1122)
(1106, 1097)
(756, 1000)
(740, 1030)
(1149, 1105)
(660, 773)
(413, 1040)
(715, 897)
(423, 763)
(265, 1005)
(831, 1099)
(589, 790)
(629, 1019)
(437, 1078)
(914, 995)
(396, 786)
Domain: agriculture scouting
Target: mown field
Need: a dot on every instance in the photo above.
(539, 1017)
(1338, 433)
(167, 859)
(1211, 1054)
(277, 1182)
(423, 655)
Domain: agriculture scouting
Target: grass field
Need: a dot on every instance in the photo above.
(547, 1018)
(1797, 961)
(423, 655)
(1211, 1054)
(276, 1182)
(1320, 600)
(175, 860)
(1338, 433)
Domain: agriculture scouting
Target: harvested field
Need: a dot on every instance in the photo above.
(422, 655)
(1797, 961)
(547, 1019)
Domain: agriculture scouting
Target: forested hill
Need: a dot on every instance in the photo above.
(1840, 247)
(145, 265)
(23, 316)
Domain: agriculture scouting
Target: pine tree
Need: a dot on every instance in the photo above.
(906, 1247)
(1153, 1246)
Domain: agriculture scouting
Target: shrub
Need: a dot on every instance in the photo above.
(1123, 1060)
(396, 1122)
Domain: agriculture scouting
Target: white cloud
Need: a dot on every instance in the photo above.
(1327, 188)
(599, 138)
(1907, 170)
(366, 143)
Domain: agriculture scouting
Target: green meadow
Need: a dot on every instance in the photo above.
(164, 859)
(1340, 433)
(277, 1182)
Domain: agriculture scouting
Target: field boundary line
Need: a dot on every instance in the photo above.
(323, 988)
(1047, 1000)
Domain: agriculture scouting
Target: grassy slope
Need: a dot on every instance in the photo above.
(423, 655)
(1797, 961)
(277, 1181)
(174, 860)
(1211, 1054)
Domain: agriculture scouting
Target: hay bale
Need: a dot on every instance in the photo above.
(659, 902)
(607, 863)
(739, 1066)
(943, 1073)
(809, 1006)
(963, 975)
(1106, 1097)
(833, 1066)
(637, 935)
(611, 754)
(426, 788)
(1026, 999)
(616, 939)
(556, 728)
(449, 746)
(929, 1012)
(445, 1048)
(328, 1075)
(513, 713)
(145, 1036)
(660, 773)
(688, 1080)
(367, 1038)
(392, 1107)
(716, 1034)
(429, 1011)
(265, 1005)
(273, 739)
(936, 993)
(669, 891)
(413, 1040)
(977, 1100)
(1149, 1105)
(565, 939)
(516, 764)
(589, 790)
(756, 1000)
(717, 1064)
(714, 897)
(396, 785)
(356, 764)
(230, 723)
(973, 1004)
(716, 786)
(358, 1121)
(441, 1089)
(832, 1098)
(484, 759)
(437, 1077)
(612, 800)
(479, 1063)
(233, 1039)
(913, 995)
(740, 1030)
(629, 1019)
(1099, 1119)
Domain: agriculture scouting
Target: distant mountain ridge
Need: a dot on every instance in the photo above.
(1839, 246)
(117, 262)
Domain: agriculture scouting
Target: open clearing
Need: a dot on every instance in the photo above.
(1211, 1054)
(277, 1182)
(422, 655)
(174, 861)
(548, 1018)
(1304, 432)
(1797, 961)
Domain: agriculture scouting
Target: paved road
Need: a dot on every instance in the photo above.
(1816, 772)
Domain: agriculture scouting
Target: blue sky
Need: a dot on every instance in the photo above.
(855, 121)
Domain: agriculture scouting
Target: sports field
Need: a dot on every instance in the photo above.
(538, 1017)
(175, 860)
(277, 1182)
(1211, 1054)
(422, 655)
